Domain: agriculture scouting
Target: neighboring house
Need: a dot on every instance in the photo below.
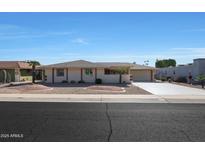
(87, 71)
(194, 69)
(15, 71)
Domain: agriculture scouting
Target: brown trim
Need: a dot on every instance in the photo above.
(81, 74)
(95, 73)
(43, 75)
(67, 74)
(53, 75)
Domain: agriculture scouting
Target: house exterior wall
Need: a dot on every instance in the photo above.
(17, 75)
(200, 66)
(74, 74)
(48, 74)
(107, 78)
(126, 78)
(89, 78)
(59, 79)
(112, 78)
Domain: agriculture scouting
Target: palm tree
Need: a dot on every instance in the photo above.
(33, 63)
(201, 78)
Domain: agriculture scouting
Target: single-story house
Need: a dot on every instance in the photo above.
(15, 71)
(108, 72)
(194, 69)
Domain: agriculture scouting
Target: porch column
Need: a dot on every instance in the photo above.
(53, 75)
(67, 74)
(81, 74)
(95, 73)
(151, 75)
(17, 75)
(43, 75)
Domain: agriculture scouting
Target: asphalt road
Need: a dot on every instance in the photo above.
(101, 122)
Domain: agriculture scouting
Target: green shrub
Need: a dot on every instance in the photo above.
(65, 81)
(72, 81)
(98, 81)
(164, 78)
(157, 78)
(181, 79)
(81, 81)
(201, 79)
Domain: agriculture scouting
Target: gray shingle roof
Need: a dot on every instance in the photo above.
(77, 63)
(87, 64)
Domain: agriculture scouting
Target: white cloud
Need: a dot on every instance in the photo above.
(80, 41)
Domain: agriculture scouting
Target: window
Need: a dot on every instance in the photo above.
(116, 71)
(26, 72)
(88, 71)
(60, 72)
(109, 71)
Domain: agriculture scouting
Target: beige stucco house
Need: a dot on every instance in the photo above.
(108, 72)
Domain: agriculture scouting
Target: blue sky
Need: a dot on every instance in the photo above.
(127, 37)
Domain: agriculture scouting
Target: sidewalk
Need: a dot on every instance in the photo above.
(101, 98)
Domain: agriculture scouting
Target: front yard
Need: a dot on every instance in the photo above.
(74, 89)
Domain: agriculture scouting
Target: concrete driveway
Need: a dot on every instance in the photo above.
(168, 89)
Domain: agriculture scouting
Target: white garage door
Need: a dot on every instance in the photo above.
(141, 75)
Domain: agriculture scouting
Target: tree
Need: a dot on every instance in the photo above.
(165, 63)
(121, 70)
(33, 63)
(201, 79)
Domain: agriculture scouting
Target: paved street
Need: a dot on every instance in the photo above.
(101, 122)
(168, 89)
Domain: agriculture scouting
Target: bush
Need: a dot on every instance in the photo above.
(81, 81)
(157, 78)
(163, 78)
(98, 81)
(65, 81)
(72, 81)
(181, 79)
(169, 79)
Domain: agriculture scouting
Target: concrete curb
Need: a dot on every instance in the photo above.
(101, 98)
(5, 85)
